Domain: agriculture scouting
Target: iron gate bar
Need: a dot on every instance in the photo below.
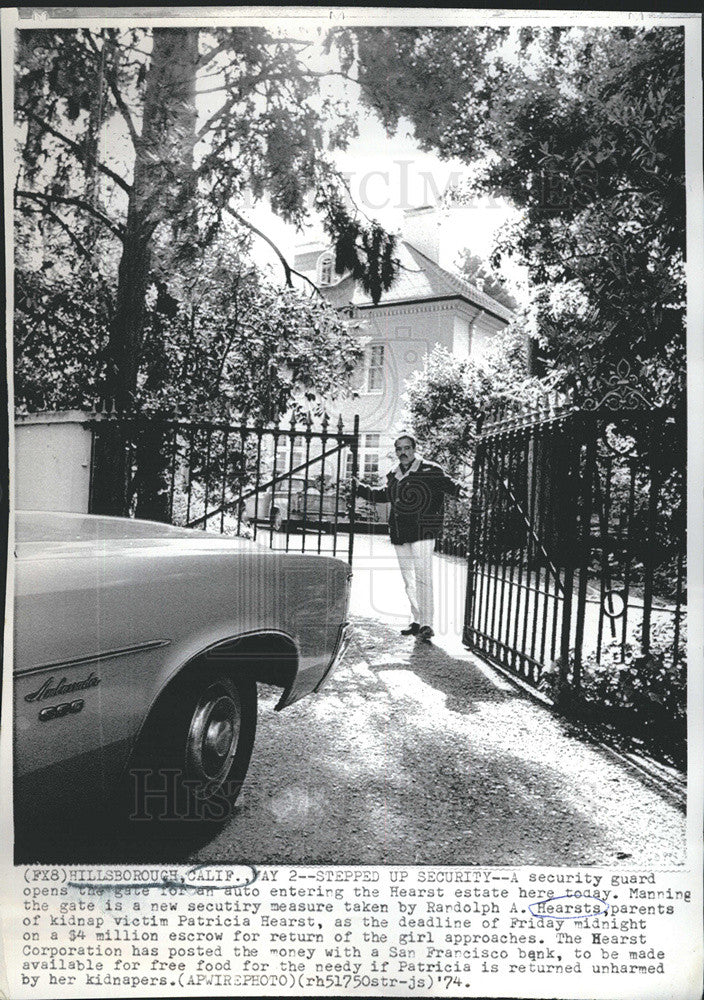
(495, 568)
(470, 592)
(337, 491)
(355, 460)
(585, 560)
(272, 503)
(557, 602)
(257, 479)
(504, 462)
(549, 512)
(243, 464)
(174, 447)
(271, 482)
(305, 488)
(291, 447)
(537, 508)
(322, 484)
(530, 550)
(473, 599)
(652, 534)
(209, 437)
(603, 510)
(483, 516)
(514, 440)
(604, 571)
(529, 525)
(627, 553)
(490, 546)
(572, 470)
(521, 557)
(190, 473)
(225, 457)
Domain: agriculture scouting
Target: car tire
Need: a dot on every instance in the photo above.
(194, 755)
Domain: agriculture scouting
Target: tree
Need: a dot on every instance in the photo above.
(447, 398)
(114, 149)
(583, 130)
(476, 270)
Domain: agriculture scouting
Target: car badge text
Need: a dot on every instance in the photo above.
(51, 690)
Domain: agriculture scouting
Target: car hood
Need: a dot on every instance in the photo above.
(41, 531)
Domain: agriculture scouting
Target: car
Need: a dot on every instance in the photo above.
(291, 509)
(273, 511)
(138, 650)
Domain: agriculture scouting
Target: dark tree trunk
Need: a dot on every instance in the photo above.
(153, 478)
(162, 190)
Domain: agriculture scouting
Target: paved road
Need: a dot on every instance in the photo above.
(421, 754)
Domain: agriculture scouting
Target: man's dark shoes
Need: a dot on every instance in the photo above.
(425, 633)
(413, 629)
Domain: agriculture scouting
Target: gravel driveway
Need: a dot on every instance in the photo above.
(415, 755)
(420, 754)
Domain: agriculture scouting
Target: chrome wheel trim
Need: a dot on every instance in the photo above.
(213, 736)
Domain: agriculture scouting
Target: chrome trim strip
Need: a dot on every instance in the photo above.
(80, 661)
(343, 640)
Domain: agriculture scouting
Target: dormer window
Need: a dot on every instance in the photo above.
(325, 265)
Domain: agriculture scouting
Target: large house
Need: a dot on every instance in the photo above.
(425, 306)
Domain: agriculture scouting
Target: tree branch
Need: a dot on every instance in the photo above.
(112, 81)
(213, 53)
(288, 270)
(75, 148)
(251, 84)
(228, 345)
(83, 250)
(49, 199)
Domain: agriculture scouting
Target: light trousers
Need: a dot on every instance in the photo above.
(416, 562)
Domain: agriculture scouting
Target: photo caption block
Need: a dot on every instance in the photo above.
(217, 930)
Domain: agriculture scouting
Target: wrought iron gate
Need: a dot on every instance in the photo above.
(286, 484)
(577, 538)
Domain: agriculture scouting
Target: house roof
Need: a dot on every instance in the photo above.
(418, 280)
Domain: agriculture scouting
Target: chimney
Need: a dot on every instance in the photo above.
(421, 228)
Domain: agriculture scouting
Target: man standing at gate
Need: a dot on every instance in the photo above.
(416, 490)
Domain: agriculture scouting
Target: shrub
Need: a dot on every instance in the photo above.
(643, 696)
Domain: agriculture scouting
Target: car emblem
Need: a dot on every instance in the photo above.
(58, 711)
(51, 690)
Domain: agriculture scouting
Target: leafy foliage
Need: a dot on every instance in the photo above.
(643, 694)
(220, 339)
(479, 273)
(60, 338)
(583, 130)
(365, 250)
(234, 343)
(446, 399)
(146, 138)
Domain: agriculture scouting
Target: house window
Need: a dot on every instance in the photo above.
(325, 263)
(288, 457)
(370, 456)
(375, 368)
(367, 458)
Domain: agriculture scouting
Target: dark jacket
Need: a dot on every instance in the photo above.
(417, 501)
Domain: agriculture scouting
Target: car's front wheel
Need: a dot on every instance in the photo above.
(195, 752)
